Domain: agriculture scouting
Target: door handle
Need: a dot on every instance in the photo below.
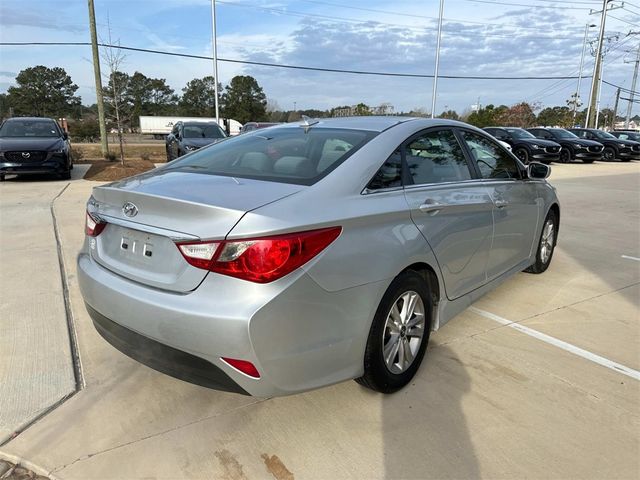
(500, 203)
(430, 207)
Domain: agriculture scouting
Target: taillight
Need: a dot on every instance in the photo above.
(260, 260)
(93, 226)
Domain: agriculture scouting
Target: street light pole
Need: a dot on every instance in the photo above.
(584, 45)
(435, 74)
(597, 68)
(214, 44)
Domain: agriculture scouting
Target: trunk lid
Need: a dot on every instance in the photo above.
(169, 207)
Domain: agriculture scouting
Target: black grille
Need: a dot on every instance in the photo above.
(30, 156)
(635, 148)
(552, 149)
(595, 148)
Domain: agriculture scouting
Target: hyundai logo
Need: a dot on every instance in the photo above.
(26, 154)
(129, 209)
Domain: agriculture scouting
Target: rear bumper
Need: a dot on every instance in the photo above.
(298, 335)
(163, 358)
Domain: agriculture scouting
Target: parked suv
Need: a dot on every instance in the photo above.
(187, 137)
(34, 145)
(614, 147)
(573, 148)
(525, 146)
(627, 135)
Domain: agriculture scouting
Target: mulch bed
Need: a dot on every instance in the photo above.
(10, 471)
(105, 171)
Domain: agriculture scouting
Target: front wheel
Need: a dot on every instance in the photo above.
(522, 154)
(565, 155)
(546, 245)
(608, 154)
(399, 334)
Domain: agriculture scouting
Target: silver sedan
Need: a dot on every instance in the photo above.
(307, 254)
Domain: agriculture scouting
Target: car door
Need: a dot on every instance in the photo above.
(516, 211)
(452, 210)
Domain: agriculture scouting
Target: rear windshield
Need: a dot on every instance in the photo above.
(279, 154)
(202, 131)
(29, 128)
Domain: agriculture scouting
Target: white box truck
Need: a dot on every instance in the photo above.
(160, 127)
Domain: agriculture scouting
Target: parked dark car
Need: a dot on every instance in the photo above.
(34, 145)
(187, 137)
(573, 148)
(525, 146)
(251, 126)
(624, 150)
(627, 135)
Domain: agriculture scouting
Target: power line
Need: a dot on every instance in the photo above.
(624, 21)
(525, 5)
(293, 67)
(623, 89)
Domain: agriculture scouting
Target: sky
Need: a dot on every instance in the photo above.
(479, 38)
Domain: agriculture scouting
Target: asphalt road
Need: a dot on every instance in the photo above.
(553, 395)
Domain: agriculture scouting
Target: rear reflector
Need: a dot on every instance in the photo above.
(260, 260)
(245, 367)
(93, 227)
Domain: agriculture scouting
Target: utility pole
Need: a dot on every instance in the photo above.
(104, 146)
(593, 96)
(214, 44)
(435, 74)
(615, 109)
(633, 89)
(584, 45)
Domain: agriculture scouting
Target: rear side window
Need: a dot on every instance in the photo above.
(436, 157)
(493, 162)
(389, 175)
(280, 154)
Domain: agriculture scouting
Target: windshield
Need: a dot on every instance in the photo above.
(203, 131)
(601, 134)
(519, 133)
(29, 128)
(279, 154)
(562, 133)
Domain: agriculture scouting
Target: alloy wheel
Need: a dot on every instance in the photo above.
(546, 243)
(403, 332)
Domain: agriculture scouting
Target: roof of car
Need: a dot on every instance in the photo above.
(30, 119)
(371, 123)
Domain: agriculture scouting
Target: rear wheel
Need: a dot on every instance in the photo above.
(565, 155)
(399, 334)
(608, 154)
(546, 245)
(522, 154)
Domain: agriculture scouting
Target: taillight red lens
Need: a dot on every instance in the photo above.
(261, 260)
(245, 367)
(93, 227)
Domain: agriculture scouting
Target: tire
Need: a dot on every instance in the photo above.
(1, 178)
(522, 154)
(565, 156)
(587, 160)
(546, 244)
(608, 154)
(66, 175)
(380, 375)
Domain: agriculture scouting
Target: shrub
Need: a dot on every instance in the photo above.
(77, 154)
(110, 156)
(145, 156)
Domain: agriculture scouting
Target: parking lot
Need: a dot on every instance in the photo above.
(557, 399)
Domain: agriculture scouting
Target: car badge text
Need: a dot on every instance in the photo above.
(26, 154)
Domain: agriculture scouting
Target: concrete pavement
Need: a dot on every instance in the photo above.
(487, 402)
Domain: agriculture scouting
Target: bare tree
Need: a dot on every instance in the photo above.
(114, 92)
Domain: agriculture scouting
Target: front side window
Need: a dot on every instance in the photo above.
(279, 154)
(436, 157)
(493, 162)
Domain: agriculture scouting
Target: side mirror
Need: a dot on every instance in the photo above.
(538, 171)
